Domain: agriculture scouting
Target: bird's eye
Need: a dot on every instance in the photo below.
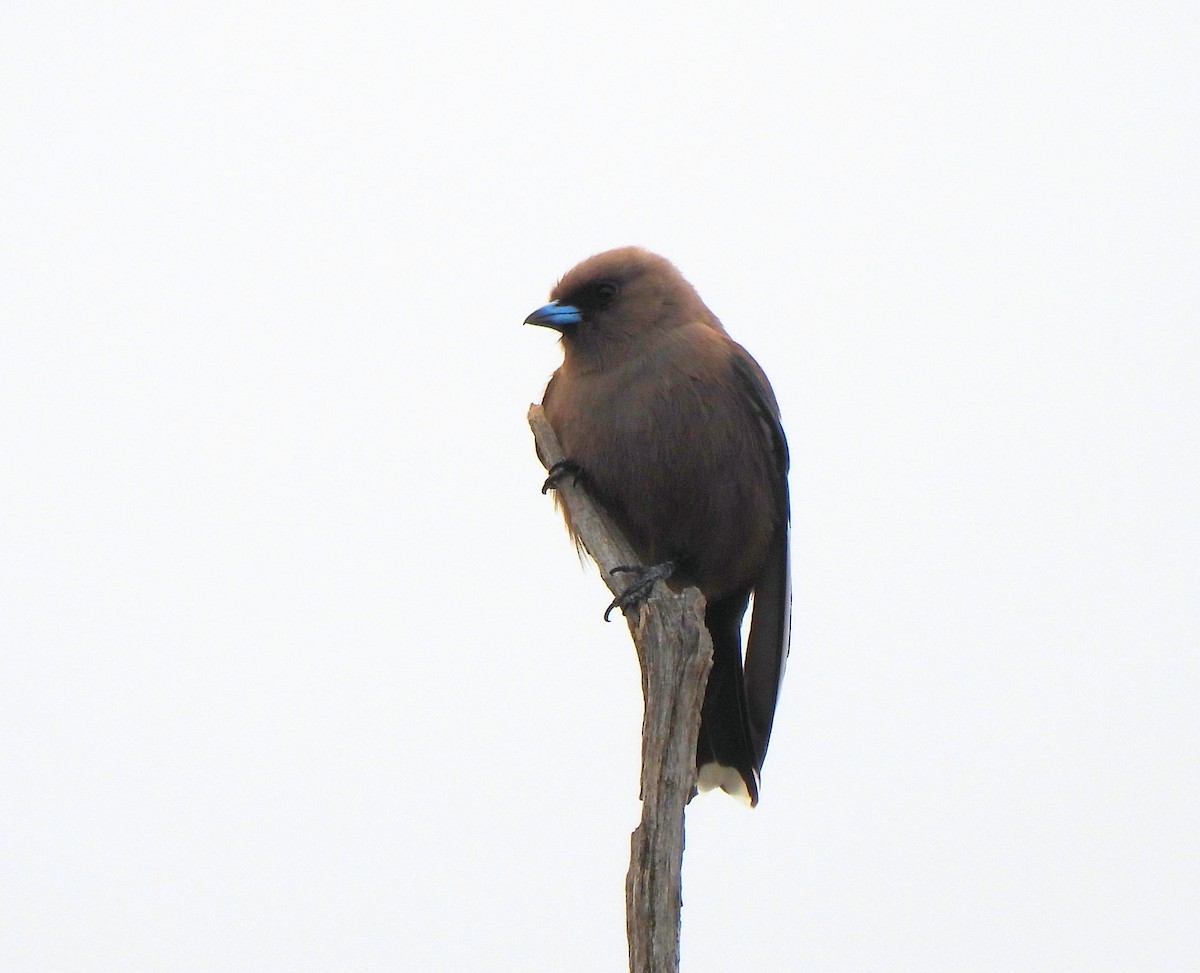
(605, 293)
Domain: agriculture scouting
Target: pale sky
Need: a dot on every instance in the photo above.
(299, 669)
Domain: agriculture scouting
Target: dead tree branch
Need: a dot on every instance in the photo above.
(675, 653)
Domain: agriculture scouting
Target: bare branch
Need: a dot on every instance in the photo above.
(675, 653)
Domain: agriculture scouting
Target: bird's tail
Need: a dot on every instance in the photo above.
(725, 755)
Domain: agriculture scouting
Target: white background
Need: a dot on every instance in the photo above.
(299, 670)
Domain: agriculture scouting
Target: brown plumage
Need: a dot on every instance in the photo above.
(677, 433)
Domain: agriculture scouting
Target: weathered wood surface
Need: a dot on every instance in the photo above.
(675, 653)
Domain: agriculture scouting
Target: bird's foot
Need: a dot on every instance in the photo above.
(640, 589)
(563, 468)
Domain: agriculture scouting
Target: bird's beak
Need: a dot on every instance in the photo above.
(561, 317)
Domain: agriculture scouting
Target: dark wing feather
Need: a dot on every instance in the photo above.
(770, 625)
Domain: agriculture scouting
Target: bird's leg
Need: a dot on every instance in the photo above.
(563, 468)
(640, 589)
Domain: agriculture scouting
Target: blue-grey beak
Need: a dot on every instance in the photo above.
(561, 317)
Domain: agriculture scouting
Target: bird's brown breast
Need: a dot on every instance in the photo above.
(671, 447)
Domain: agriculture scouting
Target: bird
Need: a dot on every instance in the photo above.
(675, 430)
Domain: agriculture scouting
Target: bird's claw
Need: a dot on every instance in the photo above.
(564, 467)
(641, 587)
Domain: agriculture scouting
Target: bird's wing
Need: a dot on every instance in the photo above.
(770, 624)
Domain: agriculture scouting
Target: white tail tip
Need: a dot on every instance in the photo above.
(713, 775)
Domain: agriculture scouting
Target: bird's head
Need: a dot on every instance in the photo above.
(613, 301)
